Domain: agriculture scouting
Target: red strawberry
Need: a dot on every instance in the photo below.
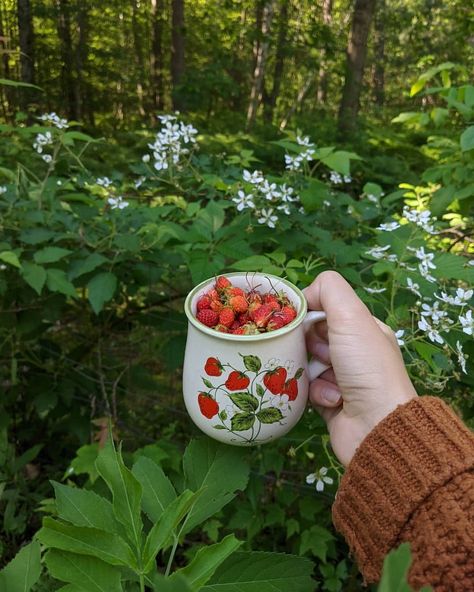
(262, 315)
(274, 380)
(203, 303)
(213, 367)
(226, 317)
(222, 282)
(238, 303)
(207, 405)
(277, 321)
(289, 312)
(243, 318)
(291, 389)
(213, 294)
(208, 317)
(221, 328)
(237, 381)
(234, 291)
(216, 306)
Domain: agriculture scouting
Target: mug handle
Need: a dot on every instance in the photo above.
(315, 367)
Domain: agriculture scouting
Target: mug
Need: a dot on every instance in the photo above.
(246, 390)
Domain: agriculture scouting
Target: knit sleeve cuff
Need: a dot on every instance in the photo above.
(412, 452)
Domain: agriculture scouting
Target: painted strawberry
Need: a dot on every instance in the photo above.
(275, 380)
(208, 317)
(291, 389)
(213, 367)
(207, 405)
(237, 381)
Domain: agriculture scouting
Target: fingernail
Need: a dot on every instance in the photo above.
(331, 395)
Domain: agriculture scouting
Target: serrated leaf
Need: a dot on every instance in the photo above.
(262, 572)
(316, 539)
(101, 289)
(88, 573)
(86, 541)
(205, 463)
(242, 421)
(252, 263)
(252, 363)
(11, 258)
(50, 254)
(244, 401)
(87, 265)
(157, 491)
(125, 488)
(467, 139)
(34, 276)
(57, 281)
(206, 561)
(270, 415)
(23, 571)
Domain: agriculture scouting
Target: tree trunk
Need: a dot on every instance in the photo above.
(138, 50)
(4, 66)
(81, 99)
(26, 40)
(355, 63)
(323, 77)
(379, 50)
(260, 63)
(299, 99)
(177, 50)
(270, 103)
(156, 56)
(67, 59)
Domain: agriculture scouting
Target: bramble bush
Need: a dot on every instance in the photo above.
(95, 263)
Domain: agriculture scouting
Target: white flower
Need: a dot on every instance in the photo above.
(293, 163)
(139, 182)
(243, 201)
(272, 363)
(426, 259)
(320, 478)
(375, 290)
(327, 203)
(467, 322)
(399, 334)
(425, 274)
(433, 333)
(461, 357)
(171, 142)
(146, 158)
(2, 267)
(388, 226)
(433, 312)
(280, 402)
(373, 198)
(286, 193)
(380, 253)
(285, 208)
(269, 190)
(289, 365)
(304, 141)
(347, 179)
(47, 158)
(335, 177)
(57, 121)
(117, 202)
(463, 296)
(3, 189)
(103, 182)
(413, 287)
(267, 217)
(255, 178)
(42, 140)
(421, 219)
(471, 262)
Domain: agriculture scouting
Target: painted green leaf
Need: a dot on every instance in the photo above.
(23, 571)
(11, 258)
(244, 401)
(260, 390)
(208, 383)
(218, 426)
(252, 363)
(223, 415)
(270, 415)
(86, 541)
(87, 573)
(101, 289)
(207, 560)
(221, 470)
(242, 421)
(157, 490)
(34, 276)
(57, 281)
(262, 572)
(50, 254)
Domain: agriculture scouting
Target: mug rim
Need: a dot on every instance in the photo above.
(246, 338)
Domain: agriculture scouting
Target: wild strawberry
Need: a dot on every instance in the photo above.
(213, 294)
(277, 321)
(253, 307)
(221, 328)
(275, 379)
(222, 282)
(238, 330)
(213, 367)
(254, 297)
(243, 318)
(262, 315)
(207, 405)
(238, 303)
(226, 316)
(203, 303)
(289, 312)
(237, 381)
(291, 389)
(208, 317)
(234, 291)
(216, 306)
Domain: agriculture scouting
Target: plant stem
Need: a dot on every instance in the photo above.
(171, 557)
(142, 583)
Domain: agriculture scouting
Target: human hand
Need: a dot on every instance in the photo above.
(368, 378)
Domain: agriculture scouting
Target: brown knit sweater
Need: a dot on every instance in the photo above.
(412, 479)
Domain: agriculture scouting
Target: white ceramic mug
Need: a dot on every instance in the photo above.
(248, 389)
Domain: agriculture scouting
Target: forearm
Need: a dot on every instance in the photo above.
(408, 481)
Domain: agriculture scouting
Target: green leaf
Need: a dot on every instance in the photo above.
(244, 401)
(161, 532)
(206, 561)
(11, 258)
(395, 570)
(23, 571)
(208, 383)
(442, 198)
(242, 421)
(316, 540)
(88, 573)
(450, 266)
(87, 265)
(221, 470)
(34, 276)
(157, 491)
(260, 390)
(50, 254)
(176, 584)
(262, 572)
(57, 281)
(467, 139)
(252, 363)
(85, 508)
(252, 263)
(101, 289)
(270, 415)
(86, 541)
(17, 83)
(125, 488)
(340, 161)
(313, 196)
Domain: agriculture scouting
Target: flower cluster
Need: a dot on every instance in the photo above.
(425, 263)
(40, 143)
(294, 163)
(422, 219)
(103, 182)
(172, 142)
(55, 120)
(117, 203)
(338, 179)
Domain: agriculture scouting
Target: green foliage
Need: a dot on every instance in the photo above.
(395, 571)
(22, 573)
